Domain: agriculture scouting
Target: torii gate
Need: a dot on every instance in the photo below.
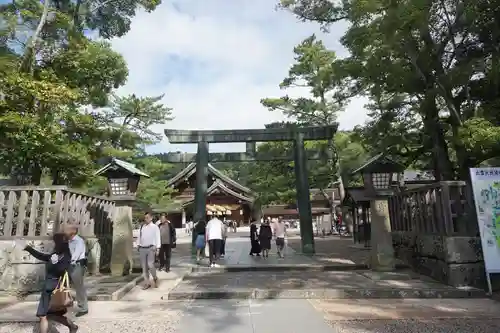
(250, 137)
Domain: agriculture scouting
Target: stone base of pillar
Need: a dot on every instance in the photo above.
(382, 251)
(121, 256)
(308, 249)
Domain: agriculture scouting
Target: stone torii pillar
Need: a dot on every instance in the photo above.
(303, 195)
(200, 194)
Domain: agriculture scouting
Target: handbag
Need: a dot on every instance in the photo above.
(61, 298)
(207, 250)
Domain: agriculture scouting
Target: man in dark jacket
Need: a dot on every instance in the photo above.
(168, 242)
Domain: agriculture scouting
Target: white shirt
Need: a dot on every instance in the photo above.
(149, 235)
(279, 229)
(214, 229)
(77, 249)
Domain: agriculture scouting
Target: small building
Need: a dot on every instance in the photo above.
(226, 198)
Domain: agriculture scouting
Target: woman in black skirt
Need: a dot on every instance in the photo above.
(58, 263)
(254, 239)
(265, 236)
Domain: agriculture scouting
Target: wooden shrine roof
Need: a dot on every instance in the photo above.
(218, 186)
(190, 170)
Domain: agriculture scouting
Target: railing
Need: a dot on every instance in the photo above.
(34, 211)
(444, 208)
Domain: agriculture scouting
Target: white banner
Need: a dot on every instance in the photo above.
(486, 188)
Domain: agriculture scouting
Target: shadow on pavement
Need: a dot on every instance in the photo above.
(411, 315)
(30, 328)
(215, 315)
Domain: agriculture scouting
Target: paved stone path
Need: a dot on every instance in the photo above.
(150, 311)
(298, 276)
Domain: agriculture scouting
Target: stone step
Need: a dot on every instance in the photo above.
(102, 288)
(288, 267)
(314, 285)
(324, 294)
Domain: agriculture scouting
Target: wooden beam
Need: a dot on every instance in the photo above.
(250, 135)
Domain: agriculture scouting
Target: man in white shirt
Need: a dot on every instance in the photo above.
(279, 230)
(77, 269)
(148, 245)
(214, 232)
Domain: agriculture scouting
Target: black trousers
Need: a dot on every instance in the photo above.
(165, 255)
(223, 247)
(214, 247)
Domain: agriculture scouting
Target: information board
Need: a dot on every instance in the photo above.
(486, 189)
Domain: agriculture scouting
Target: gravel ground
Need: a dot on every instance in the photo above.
(167, 325)
(416, 326)
(107, 317)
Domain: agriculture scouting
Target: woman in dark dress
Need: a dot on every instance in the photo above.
(265, 236)
(57, 263)
(254, 239)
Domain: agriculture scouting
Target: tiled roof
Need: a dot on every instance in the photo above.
(191, 169)
(122, 164)
(218, 185)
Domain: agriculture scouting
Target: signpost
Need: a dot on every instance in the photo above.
(486, 189)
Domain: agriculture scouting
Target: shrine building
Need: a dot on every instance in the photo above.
(226, 198)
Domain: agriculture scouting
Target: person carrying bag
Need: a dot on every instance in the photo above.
(55, 298)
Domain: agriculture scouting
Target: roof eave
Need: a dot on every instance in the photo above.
(181, 174)
(227, 179)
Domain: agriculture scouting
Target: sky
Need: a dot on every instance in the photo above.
(215, 59)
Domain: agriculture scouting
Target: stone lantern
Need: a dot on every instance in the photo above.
(378, 173)
(123, 181)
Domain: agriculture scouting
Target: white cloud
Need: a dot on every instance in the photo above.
(214, 60)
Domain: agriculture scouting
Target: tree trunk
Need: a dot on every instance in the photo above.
(434, 129)
(56, 178)
(30, 51)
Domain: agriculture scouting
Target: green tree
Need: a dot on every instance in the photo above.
(440, 58)
(51, 75)
(132, 117)
(315, 68)
(153, 191)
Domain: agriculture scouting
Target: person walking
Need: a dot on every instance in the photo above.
(254, 239)
(77, 268)
(279, 230)
(57, 264)
(224, 237)
(200, 243)
(190, 227)
(148, 245)
(265, 237)
(168, 242)
(214, 233)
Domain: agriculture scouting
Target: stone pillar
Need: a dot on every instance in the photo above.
(121, 255)
(382, 251)
(200, 195)
(303, 196)
(183, 218)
